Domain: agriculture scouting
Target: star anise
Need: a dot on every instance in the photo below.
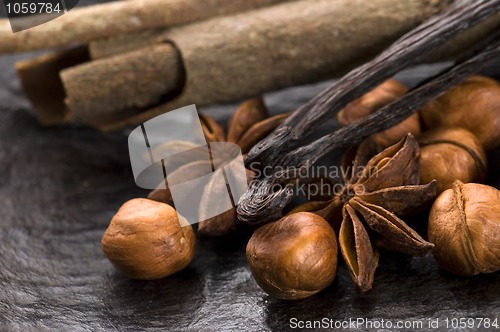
(374, 192)
(247, 126)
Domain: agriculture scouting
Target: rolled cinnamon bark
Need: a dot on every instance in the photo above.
(124, 43)
(126, 82)
(243, 55)
(246, 54)
(116, 18)
(42, 84)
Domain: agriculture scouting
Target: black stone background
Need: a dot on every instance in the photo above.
(59, 188)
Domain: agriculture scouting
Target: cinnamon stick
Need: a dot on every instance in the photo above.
(239, 56)
(99, 49)
(84, 24)
(449, 51)
(42, 85)
(246, 54)
(126, 82)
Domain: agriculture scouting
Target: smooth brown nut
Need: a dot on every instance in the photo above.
(219, 225)
(464, 225)
(146, 241)
(224, 223)
(474, 105)
(294, 257)
(449, 154)
(382, 95)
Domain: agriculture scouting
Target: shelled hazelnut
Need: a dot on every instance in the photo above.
(464, 225)
(382, 95)
(146, 241)
(474, 105)
(449, 154)
(294, 257)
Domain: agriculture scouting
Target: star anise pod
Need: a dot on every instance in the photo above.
(247, 126)
(374, 192)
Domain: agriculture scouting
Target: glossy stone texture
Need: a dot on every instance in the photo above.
(60, 187)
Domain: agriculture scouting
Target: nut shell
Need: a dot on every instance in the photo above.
(146, 241)
(382, 95)
(449, 154)
(474, 105)
(464, 225)
(294, 257)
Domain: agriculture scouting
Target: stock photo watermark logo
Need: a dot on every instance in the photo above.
(24, 14)
(170, 152)
(318, 180)
(205, 179)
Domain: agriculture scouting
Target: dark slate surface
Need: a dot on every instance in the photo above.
(58, 190)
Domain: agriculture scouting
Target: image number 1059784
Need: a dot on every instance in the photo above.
(25, 14)
(15, 8)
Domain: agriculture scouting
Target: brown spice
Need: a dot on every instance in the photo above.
(464, 225)
(382, 95)
(449, 154)
(294, 257)
(367, 207)
(145, 240)
(248, 125)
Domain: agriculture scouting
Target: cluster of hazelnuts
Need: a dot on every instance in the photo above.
(455, 131)
(296, 256)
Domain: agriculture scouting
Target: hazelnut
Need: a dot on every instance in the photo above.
(474, 105)
(220, 225)
(223, 223)
(294, 257)
(464, 225)
(384, 94)
(449, 154)
(146, 241)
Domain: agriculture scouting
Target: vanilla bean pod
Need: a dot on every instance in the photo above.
(391, 114)
(459, 16)
(262, 202)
